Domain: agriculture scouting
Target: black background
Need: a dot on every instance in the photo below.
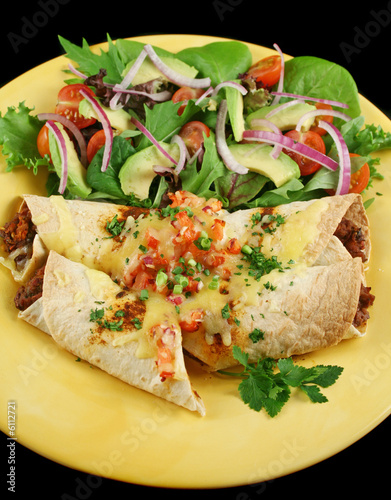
(358, 38)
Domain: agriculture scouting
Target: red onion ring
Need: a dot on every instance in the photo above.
(148, 134)
(280, 86)
(262, 122)
(106, 127)
(174, 76)
(288, 143)
(77, 72)
(63, 154)
(221, 143)
(127, 80)
(55, 117)
(344, 157)
(183, 153)
(321, 112)
(306, 98)
(282, 106)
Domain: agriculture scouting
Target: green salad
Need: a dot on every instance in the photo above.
(135, 122)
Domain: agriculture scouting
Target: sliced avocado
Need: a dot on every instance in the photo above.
(235, 111)
(76, 183)
(257, 159)
(136, 174)
(286, 119)
(148, 70)
(119, 118)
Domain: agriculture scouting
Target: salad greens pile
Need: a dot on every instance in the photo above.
(221, 62)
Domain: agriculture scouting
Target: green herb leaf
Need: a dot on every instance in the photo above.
(264, 387)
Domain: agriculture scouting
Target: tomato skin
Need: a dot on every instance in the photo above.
(193, 135)
(95, 143)
(184, 94)
(68, 100)
(311, 139)
(193, 320)
(358, 181)
(326, 118)
(266, 71)
(43, 141)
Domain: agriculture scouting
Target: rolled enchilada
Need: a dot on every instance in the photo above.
(272, 274)
(136, 341)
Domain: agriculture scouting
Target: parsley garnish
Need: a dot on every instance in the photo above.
(114, 227)
(259, 264)
(263, 387)
(256, 335)
(137, 323)
(97, 314)
(225, 311)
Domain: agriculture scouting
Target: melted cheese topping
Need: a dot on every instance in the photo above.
(65, 240)
(120, 257)
(293, 237)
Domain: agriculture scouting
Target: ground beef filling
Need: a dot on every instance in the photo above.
(366, 300)
(18, 234)
(30, 292)
(352, 238)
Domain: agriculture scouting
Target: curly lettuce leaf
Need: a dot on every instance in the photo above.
(19, 130)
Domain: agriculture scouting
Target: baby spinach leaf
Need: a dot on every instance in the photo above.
(108, 181)
(163, 121)
(220, 61)
(315, 77)
(200, 182)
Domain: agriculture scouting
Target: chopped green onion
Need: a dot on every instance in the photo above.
(247, 249)
(161, 278)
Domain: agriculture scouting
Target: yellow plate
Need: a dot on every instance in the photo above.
(81, 417)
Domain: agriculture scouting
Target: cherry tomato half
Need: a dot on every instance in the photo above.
(184, 94)
(267, 70)
(358, 180)
(95, 143)
(311, 139)
(43, 141)
(326, 118)
(68, 100)
(193, 135)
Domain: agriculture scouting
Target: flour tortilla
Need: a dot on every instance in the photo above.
(89, 242)
(326, 214)
(309, 309)
(64, 311)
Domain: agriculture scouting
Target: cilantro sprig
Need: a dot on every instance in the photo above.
(262, 387)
